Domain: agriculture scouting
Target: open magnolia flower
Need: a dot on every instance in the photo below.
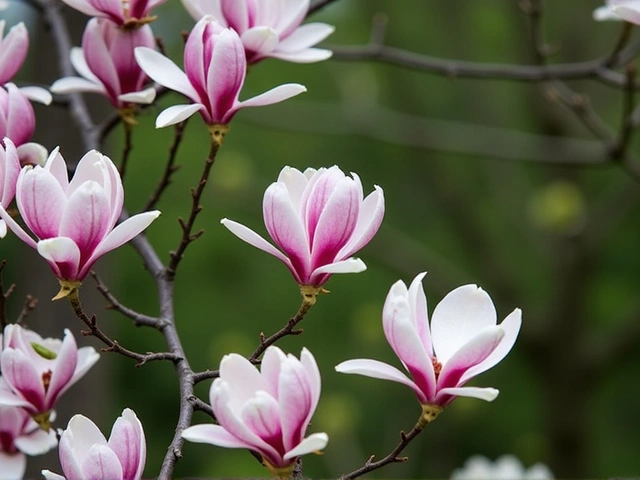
(506, 467)
(20, 436)
(86, 454)
(215, 66)
(37, 371)
(268, 28)
(628, 10)
(319, 219)
(128, 13)
(9, 171)
(462, 342)
(13, 50)
(74, 220)
(267, 412)
(107, 64)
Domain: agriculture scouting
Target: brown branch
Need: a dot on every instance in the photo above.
(128, 146)
(4, 295)
(196, 208)
(27, 307)
(318, 5)
(113, 345)
(140, 319)
(169, 169)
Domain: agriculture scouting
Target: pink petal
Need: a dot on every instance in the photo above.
(630, 11)
(469, 355)
(511, 326)
(290, 16)
(99, 59)
(41, 201)
(270, 369)
(109, 8)
(285, 228)
(376, 369)
(83, 6)
(401, 332)
(9, 171)
(101, 463)
(13, 52)
(63, 368)
(236, 13)
(369, 220)
(261, 415)
(124, 232)
(75, 444)
(56, 165)
(296, 182)
(214, 435)
(20, 120)
(225, 75)
(313, 376)
(87, 357)
(80, 65)
(23, 378)
(313, 443)
(128, 443)
(86, 218)
(296, 396)
(199, 8)
(63, 256)
(242, 377)
(460, 316)
(419, 314)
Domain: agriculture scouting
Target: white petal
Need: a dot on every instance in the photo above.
(36, 443)
(487, 394)
(252, 238)
(76, 84)
(176, 114)
(37, 94)
(305, 36)
(309, 55)
(262, 40)
(313, 443)
(146, 96)
(376, 369)
(12, 465)
(350, 265)
(80, 64)
(275, 95)
(49, 475)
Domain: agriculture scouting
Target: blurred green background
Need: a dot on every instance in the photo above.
(474, 194)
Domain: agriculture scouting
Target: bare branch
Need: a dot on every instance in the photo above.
(4, 295)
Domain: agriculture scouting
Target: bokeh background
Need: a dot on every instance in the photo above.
(476, 192)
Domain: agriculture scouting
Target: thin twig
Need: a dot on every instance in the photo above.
(169, 169)
(128, 146)
(140, 319)
(626, 123)
(196, 208)
(318, 5)
(27, 307)
(113, 345)
(4, 295)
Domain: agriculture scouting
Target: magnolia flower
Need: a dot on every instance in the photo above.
(37, 371)
(215, 66)
(74, 221)
(462, 342)
(318, 219)
(128, 13)
(13, 50)
(86, 453)
(628, 10)
(20, 436)
(267, 412)
(9, 171)
(107, 64)
(18, 121)
(507, 467)
(268, 28)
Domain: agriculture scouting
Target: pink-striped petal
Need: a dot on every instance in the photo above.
(270, 369)
(41, 201)
(296, 398)
(101, 463)
(236, 13)
(75, 444)
(460, 316)
(23, 379)
(57, 167)
(214, 435)
(261, 415)
(9, 171)
(226, 74)
(63, 256)
(369, 221)
(377, 369)
(79, 63)
(127, 441)
(241, 376)
(419, 313)
(14, 50)
(64, 367)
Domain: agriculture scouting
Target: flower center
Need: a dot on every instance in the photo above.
(437, 366)
(46, 380)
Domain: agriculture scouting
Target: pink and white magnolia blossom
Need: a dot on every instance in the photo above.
(318, 219)
(268, 28)
(36, 371)
(9, 171)
(267, 412)
(107, 64)
(627, 10)
(128, 13)
(18, 121)
(74, 220)
(462, 342)
(20, 436)
(86, 454)
(13, 50)
(215, 66)
(506, 467)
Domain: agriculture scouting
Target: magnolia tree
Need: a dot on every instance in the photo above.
(71, 212)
